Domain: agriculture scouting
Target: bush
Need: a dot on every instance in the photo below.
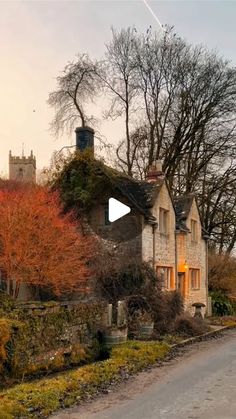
(165, 307)
(118, 282)
(221, 305)
(222, 273)
(142, 289)
(7, 304)
(5, 333)
(188, 326)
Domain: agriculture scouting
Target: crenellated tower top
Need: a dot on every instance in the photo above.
(22, 168)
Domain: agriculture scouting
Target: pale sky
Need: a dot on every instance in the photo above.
(37, 38)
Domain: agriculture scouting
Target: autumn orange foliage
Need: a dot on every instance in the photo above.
(38, 244)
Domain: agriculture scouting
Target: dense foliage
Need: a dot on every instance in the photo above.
(222, 273)
(221, 304)
(40, 246)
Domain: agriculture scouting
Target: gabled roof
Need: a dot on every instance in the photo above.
(141, 194)
(82, 172)
(183, 206)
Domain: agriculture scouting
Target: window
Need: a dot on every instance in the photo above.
(163, 221)
(194, 230)
(165, 275)
(106, 215)
(194, 279)
(20, 173)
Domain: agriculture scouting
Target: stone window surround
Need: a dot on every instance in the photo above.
(164, 221)
(197, 279)
(194, 230)
(169, 280)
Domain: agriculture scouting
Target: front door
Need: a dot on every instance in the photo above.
(181, 283)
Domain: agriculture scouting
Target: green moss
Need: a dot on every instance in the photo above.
(41, 398)
(83, 181)
(31, 338)
(7, 304)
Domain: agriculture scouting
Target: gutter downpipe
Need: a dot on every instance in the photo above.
(154, 227)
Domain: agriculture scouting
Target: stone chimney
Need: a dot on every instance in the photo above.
(155, 172)
(84, 138)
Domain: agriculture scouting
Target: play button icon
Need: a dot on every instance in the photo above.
(116, 209)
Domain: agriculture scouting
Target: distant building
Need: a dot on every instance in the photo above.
(22, 169)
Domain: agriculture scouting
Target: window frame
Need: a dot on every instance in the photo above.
(168, 280)
(164, 221)
(194, 230)
(195, 283)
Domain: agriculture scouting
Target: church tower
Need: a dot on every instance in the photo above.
(22, 169)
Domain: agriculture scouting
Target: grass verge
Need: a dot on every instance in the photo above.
(40, 398)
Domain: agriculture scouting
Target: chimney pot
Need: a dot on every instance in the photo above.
(84, 138)
(155, 172)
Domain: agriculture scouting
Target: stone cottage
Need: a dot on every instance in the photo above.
(165, 233)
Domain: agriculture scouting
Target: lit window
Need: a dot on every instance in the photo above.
(165, 275)
(163, 221)
(194, 230)
(194, 279)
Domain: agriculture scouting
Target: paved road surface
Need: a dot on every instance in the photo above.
(200, 384)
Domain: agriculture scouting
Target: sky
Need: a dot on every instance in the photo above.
(38, 38)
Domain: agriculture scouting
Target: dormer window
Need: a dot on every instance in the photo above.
(164, 221)
(194, 236)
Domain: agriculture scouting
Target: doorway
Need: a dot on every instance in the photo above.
(181, 283)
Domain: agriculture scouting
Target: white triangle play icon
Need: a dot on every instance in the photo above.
(116, 209)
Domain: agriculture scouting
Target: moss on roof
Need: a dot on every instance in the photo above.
(85, 179)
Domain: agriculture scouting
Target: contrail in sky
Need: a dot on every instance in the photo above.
(153, 14)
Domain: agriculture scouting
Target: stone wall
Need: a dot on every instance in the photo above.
(164, 243)
(52, 336)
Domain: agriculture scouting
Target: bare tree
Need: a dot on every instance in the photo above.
(78, 85)
(178, 104)
(119, 80)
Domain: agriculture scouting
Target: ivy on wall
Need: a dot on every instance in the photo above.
(51, 338)
(84, 179)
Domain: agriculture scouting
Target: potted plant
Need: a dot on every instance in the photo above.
(116, 329)
(114, 335)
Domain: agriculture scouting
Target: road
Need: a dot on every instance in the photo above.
(199, 384)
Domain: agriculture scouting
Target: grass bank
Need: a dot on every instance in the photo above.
(40, 398)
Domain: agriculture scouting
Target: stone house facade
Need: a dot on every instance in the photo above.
(158, 244)
(165, 233)
(192, 252)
